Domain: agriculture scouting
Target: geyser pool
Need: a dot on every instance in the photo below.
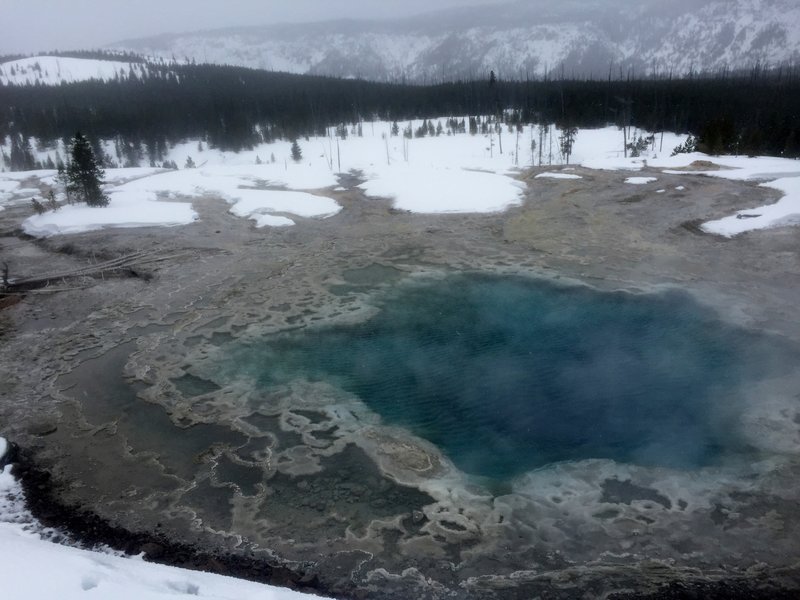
(507, 374)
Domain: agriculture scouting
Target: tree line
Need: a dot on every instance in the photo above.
(233, 108)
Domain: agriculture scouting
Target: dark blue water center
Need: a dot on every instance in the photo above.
(507, 374)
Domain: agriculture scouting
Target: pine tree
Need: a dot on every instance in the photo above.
(566, 142)
(189, 163)
(84, 174)
(297, 154)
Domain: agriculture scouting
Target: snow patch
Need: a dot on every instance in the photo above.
(785, 211)
(125, 209)
(431, 190)
(248, 202)
(640, 180)
(271, 221)
(549, 175)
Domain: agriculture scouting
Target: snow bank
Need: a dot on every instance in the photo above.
(737, 168)
(784, 212)
(255, 203)
(7, 186)
(73, 574)
(784, 172)
(549, 175)
(431, 190)
(740, 168)
(125, 209)
(31, 567)
(271, 221)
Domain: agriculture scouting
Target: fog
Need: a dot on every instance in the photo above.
(37, 25)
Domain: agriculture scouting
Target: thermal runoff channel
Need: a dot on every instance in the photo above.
(508, 374)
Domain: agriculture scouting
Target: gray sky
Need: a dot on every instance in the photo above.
(36, 25)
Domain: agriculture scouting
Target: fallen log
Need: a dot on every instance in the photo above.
(130, 263)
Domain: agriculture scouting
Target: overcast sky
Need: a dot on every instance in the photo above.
(35, 25)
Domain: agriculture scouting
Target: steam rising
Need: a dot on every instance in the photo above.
(508, 375)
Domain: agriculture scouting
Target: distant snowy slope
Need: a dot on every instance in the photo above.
(730, 33)
(516, 39)
(54, 70)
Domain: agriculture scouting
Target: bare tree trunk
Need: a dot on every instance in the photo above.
(625, 141)
(541, 142)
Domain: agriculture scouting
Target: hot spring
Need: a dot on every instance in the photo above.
(509, 374)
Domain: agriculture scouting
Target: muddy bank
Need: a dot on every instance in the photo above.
(89, 530)
(111, 389)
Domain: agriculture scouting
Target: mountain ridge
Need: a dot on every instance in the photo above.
(516, 40)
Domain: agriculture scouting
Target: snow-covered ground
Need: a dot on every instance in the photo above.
(549, 175)
(54, 70)
(33, 568)
(434, 174)
(779, 173)
(785, 211)
(640, 180)
(125, 209)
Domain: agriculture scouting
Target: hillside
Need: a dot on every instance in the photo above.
(518, 39)
(55, 70)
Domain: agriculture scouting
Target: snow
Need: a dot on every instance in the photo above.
(459, 173)
(54, 70)
(778, 173)
(784, 212)
(237, 185)
(696, 37)
(255, 203)
(774, 172)
(549, 175)
(8, 186)
(75, 574)
(125, 209)
(603, 149)
(432, 190)
(3, 448)
(271, 221)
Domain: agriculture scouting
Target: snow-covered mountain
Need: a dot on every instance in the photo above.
(522, 37)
